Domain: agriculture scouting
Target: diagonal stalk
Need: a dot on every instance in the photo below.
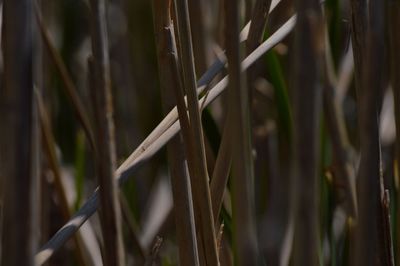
(170, 82)
(144, 152)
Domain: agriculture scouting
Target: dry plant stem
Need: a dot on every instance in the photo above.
(153, 256)
(220, 174)
(69, 86)
(248, 6)
(105, 160)
(343, 166)
(200, 38)
(370, 242)
(343, 170)
(386, 228)
(19, 138)
(195, 143)
(393, 25)
(49, 147)
(170, 82)
(171, 117)
(256, 33)
(244, 230)
(307, 92)
(188, 149)
(148, 149)
(358, 36)
(132, 227)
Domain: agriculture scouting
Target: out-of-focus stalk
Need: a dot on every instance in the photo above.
(19, 138)
(307, 98)
(243, 214)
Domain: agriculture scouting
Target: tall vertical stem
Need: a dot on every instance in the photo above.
(18, 137)
(245, 241)
(110, 215)
(307, 97)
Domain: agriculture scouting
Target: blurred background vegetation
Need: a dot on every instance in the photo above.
(306, 150)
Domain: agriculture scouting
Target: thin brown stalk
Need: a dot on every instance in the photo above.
(343, 163)
(307, 92)
(153, 258)
(256, 33)
(199, 34)
(170, 82)
(388, 258)
(69, 86)
(49, 148)
(220, 174)
(150, 146)
(186, 131)
(105, 159)
(243, 213)
(370, 242)
(258, 24)
(358, 36)
(133, 230)
(248, 6)
(393, 26)
(195, 143)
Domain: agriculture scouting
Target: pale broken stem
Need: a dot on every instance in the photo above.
(171, 117)
(145, 152)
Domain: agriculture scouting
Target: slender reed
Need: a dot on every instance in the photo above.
(105, 157)
(244, 233)
(393, 26)
(19, 137)
(170, 82)
(69, 86)
(195, 143)
(149, 148)
(369, 237)
(307, 97)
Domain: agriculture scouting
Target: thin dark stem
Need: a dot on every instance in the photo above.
(343, 165)
(105, 157)
(368, 234)
(388, 257)
(307, 99)
(150, 146)
(69, 86)
(358, 36)
(222, 168)
(196, 158)
(245, 241)
(170, 82)
(133, 231)
(256, 33)
(50, 151)
(199, 34)
(393, 26)
(19, 140)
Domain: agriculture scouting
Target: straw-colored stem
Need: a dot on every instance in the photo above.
(170, 82)
(147, 150)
